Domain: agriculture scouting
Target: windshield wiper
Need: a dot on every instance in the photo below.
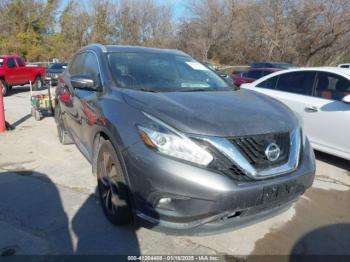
(195, 90)
(147, 90)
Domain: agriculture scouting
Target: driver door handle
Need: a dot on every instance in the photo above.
(311, 109)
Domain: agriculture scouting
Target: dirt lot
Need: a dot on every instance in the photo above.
(48, 205)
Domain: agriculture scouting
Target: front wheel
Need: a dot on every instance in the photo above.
(112, 188)
(38, 84)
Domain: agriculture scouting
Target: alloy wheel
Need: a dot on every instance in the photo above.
(108, 188)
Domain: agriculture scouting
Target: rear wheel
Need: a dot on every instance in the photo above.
(112, 188)
(38, 84)
(5, 88)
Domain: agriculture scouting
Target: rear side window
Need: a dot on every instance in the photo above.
(269, 83)
(11, 63)
(332, 86)
(265, 73)
(297, 82)
(20, 62)
(77, 65)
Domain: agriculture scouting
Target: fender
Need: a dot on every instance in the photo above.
(113, 138)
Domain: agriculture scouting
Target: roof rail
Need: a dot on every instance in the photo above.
(103, 48)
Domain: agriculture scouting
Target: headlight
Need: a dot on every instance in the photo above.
(168, 141)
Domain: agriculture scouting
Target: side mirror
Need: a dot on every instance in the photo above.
(227, 79)
(83, 82)
(346, 99)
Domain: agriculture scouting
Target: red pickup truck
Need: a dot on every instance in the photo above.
(14, 72)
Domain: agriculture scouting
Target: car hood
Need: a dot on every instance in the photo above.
(229, 113)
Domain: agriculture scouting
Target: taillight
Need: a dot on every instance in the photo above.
(65, 96)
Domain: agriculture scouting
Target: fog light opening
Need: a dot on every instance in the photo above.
(165, 203)
(165, 200)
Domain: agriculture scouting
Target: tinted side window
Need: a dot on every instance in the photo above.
(345, 66)
(20, 62)
(259, 65)
(255, 74)
(11, 63)
(269, 83)
(265, 73)
(332, 86)
(297, 82)
(77, 65)
(91, 66)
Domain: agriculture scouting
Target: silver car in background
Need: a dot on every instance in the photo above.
(321, 98)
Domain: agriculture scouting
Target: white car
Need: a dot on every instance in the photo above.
(321, 97)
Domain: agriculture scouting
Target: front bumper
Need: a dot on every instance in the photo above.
(54, 81)
(204, 201)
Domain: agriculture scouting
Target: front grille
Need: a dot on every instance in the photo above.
(51, 75)
(225, 167)
(254, 147)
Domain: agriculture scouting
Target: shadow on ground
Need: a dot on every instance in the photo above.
(22, 89)
(327, 240)
(18, 89)
(38, 218)
(333, 160)
(19, 122)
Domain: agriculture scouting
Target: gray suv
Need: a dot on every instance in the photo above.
(173, 146)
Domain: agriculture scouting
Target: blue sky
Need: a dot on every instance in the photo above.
(179, 8)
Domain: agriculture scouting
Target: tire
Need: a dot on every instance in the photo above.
(32, 112)
(112, 187)
(5, 88)
(38, 84)
(37, 115)
(63, 135)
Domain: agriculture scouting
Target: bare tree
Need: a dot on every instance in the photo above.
(304, 32)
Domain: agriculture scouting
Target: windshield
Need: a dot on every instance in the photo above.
(58, 66)
(157, 72)
(1, 61)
